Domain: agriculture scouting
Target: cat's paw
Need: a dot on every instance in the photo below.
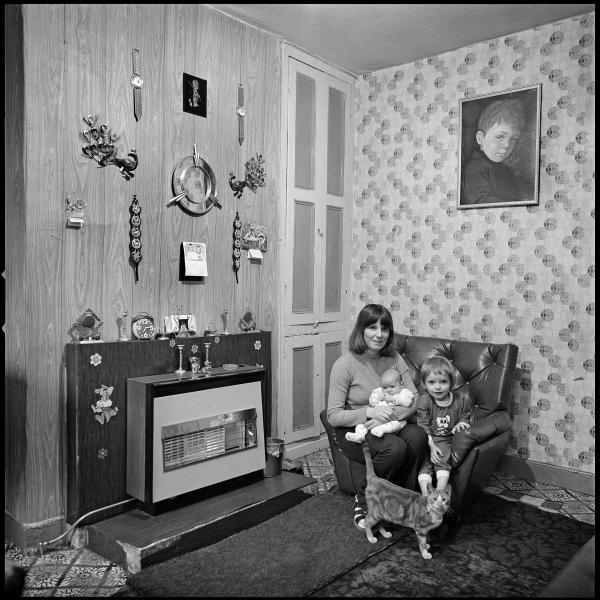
(353, 437)
(426, 555)
(384, 533)
(372, 538)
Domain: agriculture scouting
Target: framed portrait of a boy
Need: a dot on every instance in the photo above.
(499, 152)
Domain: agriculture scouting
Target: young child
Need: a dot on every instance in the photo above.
(390, 393)
(441, 412)
(486, 179)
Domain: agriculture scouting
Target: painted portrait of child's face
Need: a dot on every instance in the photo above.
(498, 142)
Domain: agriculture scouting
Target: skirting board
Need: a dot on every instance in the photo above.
(552, 474)
(29, 535)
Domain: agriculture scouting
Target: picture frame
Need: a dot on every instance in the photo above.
(499, 148)
(194, 95)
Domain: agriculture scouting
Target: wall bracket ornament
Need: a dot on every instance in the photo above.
(101, 147)
(255, 177)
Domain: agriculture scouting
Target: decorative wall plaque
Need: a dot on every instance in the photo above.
(194, 185)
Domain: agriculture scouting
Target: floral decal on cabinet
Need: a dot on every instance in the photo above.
(96, 360)
(104, 408)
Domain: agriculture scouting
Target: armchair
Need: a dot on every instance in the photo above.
(488, 370)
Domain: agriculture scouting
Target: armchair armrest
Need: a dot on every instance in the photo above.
(482, 429)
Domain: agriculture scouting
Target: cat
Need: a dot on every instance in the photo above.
(389, 502)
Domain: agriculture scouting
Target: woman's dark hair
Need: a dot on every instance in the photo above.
(368, 315)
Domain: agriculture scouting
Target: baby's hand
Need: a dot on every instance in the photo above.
(460, 427)
(404, 398)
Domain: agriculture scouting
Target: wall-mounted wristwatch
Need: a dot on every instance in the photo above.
(137, 82)
(241, 113)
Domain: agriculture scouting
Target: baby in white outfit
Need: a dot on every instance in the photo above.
(389, 394)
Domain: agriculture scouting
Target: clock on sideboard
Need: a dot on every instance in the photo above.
(142, 326)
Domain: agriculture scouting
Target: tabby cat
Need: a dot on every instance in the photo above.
(389, 502)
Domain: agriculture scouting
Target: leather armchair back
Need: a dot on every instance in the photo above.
(487, 369)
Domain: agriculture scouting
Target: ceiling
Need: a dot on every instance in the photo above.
(362, 38)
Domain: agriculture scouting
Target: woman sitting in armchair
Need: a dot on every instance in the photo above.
(396, 456)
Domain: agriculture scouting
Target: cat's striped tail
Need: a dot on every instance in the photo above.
(368, 460)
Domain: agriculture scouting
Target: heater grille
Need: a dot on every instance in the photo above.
(201, 439)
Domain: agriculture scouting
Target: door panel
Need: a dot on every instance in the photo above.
(317, 243)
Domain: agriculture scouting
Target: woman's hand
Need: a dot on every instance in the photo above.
(383, 414)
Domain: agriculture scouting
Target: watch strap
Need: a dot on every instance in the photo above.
(137, 70)
(137, 103)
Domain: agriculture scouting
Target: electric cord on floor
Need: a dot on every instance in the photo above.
(42, 546)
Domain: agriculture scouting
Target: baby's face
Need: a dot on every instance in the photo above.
(498, 142)
(390, 385)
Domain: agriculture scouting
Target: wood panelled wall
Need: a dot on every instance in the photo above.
(76, 60)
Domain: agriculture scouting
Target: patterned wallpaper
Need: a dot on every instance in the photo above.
(522, 274)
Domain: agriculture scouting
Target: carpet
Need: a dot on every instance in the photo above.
(291, 554)
(500, 549)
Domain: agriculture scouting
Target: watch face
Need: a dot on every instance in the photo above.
(143, 328)
(137, 81)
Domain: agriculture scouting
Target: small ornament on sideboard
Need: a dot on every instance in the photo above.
(247, 322)
(142, 326)
(123, 337)
(87, 328)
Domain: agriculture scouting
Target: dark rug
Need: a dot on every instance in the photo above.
(500, 548)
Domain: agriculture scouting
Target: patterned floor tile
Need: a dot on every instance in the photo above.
(82, 576)
(76, 592)
(494, 490)
(517, 485)
(44, 576)
(551, 504)
(115, 577)
(91, 559)
(532, 500)
(557, 494)
(574, 507)
(510, 495)
(586, 518)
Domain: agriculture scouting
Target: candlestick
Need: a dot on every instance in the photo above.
(181, 370)
(207, 363)
(124, 337)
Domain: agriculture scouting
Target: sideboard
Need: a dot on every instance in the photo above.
(97, 415)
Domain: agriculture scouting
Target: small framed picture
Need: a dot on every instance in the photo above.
(194, 95)
(499, 154)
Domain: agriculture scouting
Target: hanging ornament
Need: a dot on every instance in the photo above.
(135, 235)
(237, 244)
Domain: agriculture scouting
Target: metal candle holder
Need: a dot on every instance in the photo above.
(181, 370)
(207, 363)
